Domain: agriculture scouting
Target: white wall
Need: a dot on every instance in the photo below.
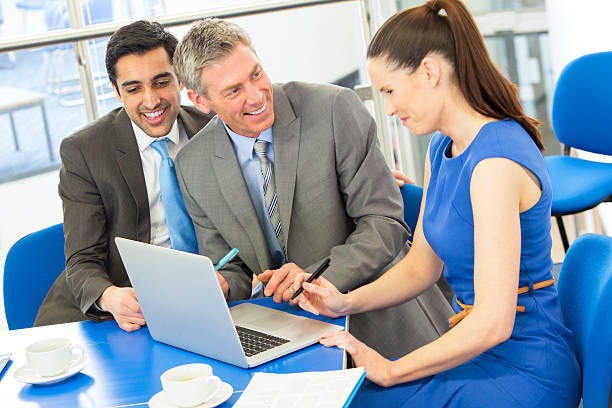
(578, 28)
(314, 44)
(26, 205)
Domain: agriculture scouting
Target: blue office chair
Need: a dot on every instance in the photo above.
(585, 294)
(412, 196)
(31, 267)
(581, 108)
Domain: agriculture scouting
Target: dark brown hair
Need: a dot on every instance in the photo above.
(410, 35)
(137, 38)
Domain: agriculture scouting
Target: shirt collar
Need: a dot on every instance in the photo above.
(145, 140)
(243, 145)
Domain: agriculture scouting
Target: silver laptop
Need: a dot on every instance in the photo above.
(184, 306)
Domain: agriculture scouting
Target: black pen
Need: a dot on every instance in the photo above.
(314, 276)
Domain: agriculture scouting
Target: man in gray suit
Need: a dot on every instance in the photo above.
(109, 180)
(290, 175)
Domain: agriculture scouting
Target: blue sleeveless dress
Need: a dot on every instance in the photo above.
(536, 366)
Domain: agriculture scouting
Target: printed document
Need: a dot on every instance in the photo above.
(317, 389)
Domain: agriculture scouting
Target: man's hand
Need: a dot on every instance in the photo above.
(123, 305)
(224, 286)
(401, 179)
(279, 281)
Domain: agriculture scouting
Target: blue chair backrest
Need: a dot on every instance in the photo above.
(412, 196)
(585, 294)
(31, 267)
(582, 104)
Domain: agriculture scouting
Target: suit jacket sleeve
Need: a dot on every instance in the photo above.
(85, 229)
(372, 197)
(210, 243)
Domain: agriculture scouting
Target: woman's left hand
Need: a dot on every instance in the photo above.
(401, 178)
(376, 366)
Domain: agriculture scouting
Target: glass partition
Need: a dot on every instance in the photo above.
(486, 6)
(34, 115)
(523, 57)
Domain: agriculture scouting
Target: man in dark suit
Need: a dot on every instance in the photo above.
(297, 177)
(110, 179)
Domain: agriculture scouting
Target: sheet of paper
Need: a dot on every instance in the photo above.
(317, 389)
(4, 359)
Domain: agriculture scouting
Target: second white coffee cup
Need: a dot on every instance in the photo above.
(51, 357)
(190, 384)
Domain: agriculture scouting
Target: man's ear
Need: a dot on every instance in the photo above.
(198, 101)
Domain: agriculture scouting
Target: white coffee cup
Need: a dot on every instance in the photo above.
(51, 357)
(190, 384)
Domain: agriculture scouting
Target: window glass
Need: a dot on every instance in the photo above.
(319, 44)
(315, 44)
(487, 6)
(130, 10)
(24, 17)
(523, 58)
(105, 95)
(41, 98)
(41, 102)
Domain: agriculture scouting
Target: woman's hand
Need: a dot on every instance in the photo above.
(376, 366)
(320, 297)
(401, 178)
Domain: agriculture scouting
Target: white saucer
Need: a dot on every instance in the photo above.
(27, 374)
(159, 400)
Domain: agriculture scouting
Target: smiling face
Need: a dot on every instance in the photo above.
(149, 91)
(239, 91)
(412, 97)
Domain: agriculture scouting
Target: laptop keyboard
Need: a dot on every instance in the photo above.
(254, 342)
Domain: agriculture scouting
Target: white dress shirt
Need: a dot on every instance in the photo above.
(150, 166)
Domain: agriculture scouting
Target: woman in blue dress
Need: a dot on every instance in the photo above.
(484, 223)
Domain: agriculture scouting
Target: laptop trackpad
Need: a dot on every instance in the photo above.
(273, 324)
(263, 318)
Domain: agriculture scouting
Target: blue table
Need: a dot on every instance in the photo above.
(125, 367)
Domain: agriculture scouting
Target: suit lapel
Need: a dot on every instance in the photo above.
(234, 190)
(130, 165)
(191, 123)
(286, 131)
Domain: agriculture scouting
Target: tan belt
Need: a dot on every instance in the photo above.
(468, 308)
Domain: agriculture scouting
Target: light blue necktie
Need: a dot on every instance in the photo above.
(269, 189)
(180, 227)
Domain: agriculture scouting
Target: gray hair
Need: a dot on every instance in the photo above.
(205, 43)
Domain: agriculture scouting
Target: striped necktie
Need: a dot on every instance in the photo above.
(267, 172)
(180, 226)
